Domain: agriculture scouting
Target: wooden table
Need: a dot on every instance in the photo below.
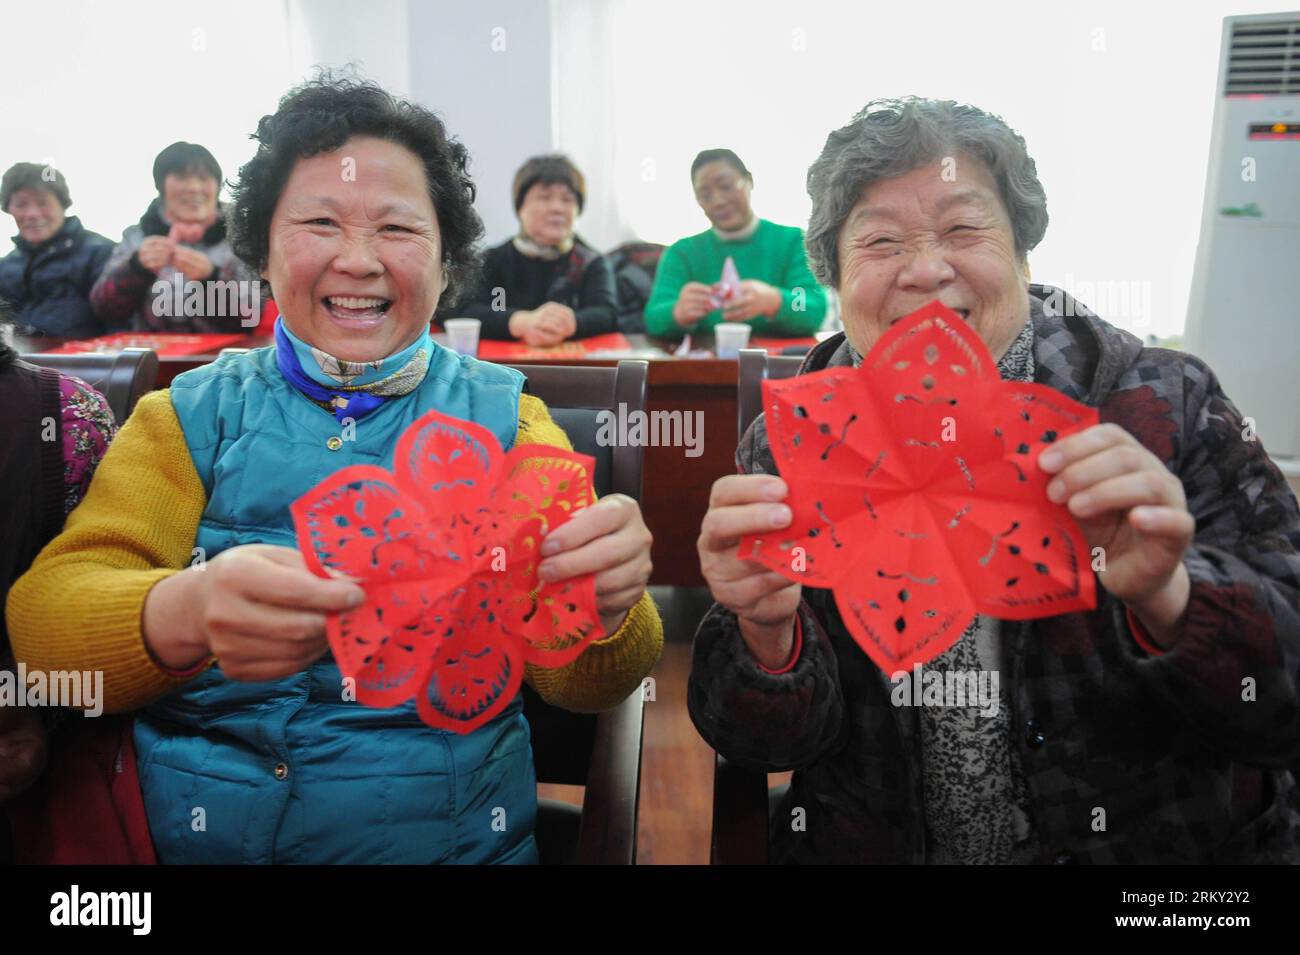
(676, 488)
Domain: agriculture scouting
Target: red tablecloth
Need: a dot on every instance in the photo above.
(776, 346)
(166, 345)
(575, 348)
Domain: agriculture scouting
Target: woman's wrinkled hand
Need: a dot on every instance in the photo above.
(256, 608)
(764, 602)
(694, 301)
(155, 252)
(1132, 507)
(193, 264)
(22, 749)
(754, 298)
(548, 324)
(609, 539)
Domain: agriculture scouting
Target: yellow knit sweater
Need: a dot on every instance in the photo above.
(79, 606)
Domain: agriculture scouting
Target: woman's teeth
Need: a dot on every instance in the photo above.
(346, 306)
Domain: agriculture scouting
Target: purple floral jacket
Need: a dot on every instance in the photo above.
(1188, 752)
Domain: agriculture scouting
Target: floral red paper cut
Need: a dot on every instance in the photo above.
(916, 493)
(446, 547)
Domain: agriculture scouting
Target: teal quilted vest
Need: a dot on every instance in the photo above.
(289, 771)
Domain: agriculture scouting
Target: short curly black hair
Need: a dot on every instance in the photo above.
(320, 116)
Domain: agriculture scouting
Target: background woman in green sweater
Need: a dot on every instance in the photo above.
(778, 294)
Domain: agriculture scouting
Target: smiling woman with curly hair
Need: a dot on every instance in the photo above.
(357, 209)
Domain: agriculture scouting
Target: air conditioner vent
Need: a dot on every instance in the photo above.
(1265, 59)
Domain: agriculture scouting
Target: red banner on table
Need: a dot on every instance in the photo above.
(777, 346)
(165, 344)
(574, 348)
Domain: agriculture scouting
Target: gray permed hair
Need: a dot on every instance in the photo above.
(891, 137)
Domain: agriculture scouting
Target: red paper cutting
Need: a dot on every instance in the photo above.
(446, 549)
(916, 493)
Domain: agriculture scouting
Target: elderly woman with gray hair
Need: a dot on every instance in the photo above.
(1171, 707)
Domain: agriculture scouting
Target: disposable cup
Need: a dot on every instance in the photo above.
(462, 335)
(731, 337)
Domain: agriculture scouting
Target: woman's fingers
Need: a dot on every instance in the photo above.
(604, 517)
(253, 654)
(23, 751)
(742, 504)
(624, 576)
(592, 558)
(607, 540)
(269, 580)
(723, 527)
(747, 489)
(612, 605)
(742, 595)
(740, 308)
(1111, 461)
(1126, 491)
(1083, 444)
(261, 611)
(268, 622)
(1174, 523)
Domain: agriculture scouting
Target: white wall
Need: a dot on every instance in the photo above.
(485, 67)
(99, 89)
(372, 36)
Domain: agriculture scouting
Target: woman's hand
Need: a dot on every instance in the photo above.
(1132, 507)
(193, 264)
(155, 252)
(22, 749)
(764, 602)
(610, 539)
(256, 608)
(556, 321)
(548, 324)
(753, 299)
(694, 301)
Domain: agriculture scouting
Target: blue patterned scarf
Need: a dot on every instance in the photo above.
(350, 389)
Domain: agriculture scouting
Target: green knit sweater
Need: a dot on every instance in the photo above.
(773, 254)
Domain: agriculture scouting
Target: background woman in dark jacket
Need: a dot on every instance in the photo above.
(545, 285)
(47, 278)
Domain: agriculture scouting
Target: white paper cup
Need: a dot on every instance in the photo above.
(730, 338)
(462, 335)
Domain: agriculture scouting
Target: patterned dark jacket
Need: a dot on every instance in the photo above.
(48, 285)
(127, 295)
(1187, 752)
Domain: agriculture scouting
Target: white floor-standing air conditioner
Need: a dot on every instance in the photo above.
(1244, 310)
